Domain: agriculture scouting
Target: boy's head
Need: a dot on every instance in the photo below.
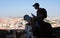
(27, 18)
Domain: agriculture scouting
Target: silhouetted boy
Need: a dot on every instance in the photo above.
(40, 28)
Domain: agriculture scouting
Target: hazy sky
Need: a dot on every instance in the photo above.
(15, 8)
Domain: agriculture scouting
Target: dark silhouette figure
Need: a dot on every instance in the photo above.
(41, 12)
(40, 28)
(28, 28)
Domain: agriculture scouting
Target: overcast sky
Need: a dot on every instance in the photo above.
(15, 8)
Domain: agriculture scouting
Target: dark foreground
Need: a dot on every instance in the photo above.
(22, 34)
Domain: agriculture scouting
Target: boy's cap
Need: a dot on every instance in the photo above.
(36, 4)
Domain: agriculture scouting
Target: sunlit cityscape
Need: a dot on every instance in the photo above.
(19, 23)
(12, 23)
